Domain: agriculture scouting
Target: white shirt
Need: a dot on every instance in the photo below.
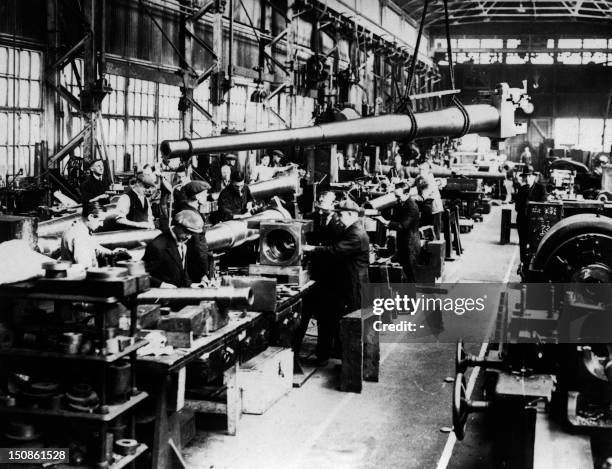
(80, 247)
(123, 206)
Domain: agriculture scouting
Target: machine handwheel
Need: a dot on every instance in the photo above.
(460, 406)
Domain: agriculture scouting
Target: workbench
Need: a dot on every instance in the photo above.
(246, 335)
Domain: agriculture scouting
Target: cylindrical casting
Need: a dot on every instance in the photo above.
(282, 185)
(444, 123)
(382, 202)
(224, 296)
(233, 233)
(56, 226)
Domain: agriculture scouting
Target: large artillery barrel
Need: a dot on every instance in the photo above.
(483, 119)
(287, 184)
(233, 233)
(56, 226)
(382, 202)
(221, 236)
(224, 296)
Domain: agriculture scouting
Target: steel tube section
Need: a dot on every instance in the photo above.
(447, 173)
(224, 296)
(281, 185)
(233, 233)
(56, 226)
(382, 202)
(127, 239)
(483, 118)
(222, 236)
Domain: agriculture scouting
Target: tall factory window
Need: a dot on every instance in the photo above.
(113, 121)
(141, 132)
(20, 109)
(169, 116)
(202, 126)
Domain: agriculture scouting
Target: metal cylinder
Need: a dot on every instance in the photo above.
(233, 233)
(56, 226)
(446, 122)
(127, 239)
(288, 184)
(447, 173)
(382, 202)
(224, 296)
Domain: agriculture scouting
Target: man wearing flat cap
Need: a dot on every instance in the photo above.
(194, 195)
(530, 191)
(167, 257)
(349, 254)
(94, 187)
(134, 206)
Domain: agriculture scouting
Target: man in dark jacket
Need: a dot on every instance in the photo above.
(349, 254)
(326, 230)
(235, 201)
(167, 256)
(94, 187)
(405, 222)
(530, 191)
(193, 195)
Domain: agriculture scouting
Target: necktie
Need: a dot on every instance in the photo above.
(182, 249)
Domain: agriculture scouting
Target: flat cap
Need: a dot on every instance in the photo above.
(147, 179)
(193, 188)
(190, 220)
(278, 153)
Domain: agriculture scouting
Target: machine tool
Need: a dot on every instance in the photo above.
(553, 352)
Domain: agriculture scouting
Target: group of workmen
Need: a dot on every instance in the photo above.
(179, 256)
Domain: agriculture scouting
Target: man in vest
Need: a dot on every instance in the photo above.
(134, 207)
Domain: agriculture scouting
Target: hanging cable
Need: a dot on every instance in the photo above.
(451, 71)
(416, 50)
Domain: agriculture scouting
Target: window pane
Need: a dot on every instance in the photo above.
(570, 43)
(566, 131)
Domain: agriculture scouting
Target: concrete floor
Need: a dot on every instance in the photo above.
(394, 423)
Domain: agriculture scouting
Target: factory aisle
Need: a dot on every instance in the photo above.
(393, 423)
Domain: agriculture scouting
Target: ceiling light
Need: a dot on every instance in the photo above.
(521, 8)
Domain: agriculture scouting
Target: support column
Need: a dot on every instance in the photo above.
(89, 78)
(51, 123)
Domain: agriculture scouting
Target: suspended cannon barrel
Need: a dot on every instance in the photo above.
(483, 118)
(494, 120)
(224, 296)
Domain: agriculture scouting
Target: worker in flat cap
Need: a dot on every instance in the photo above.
(79, 246)
(94, 186)
(531, 190)
(327, 228)
(349, 254)
(168, 256)
(235, 201)
(405, 222)
(134, 207)
(194, 196)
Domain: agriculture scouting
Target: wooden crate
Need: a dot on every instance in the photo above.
(265, 379)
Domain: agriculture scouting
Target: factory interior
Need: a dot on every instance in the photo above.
(306, 234)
